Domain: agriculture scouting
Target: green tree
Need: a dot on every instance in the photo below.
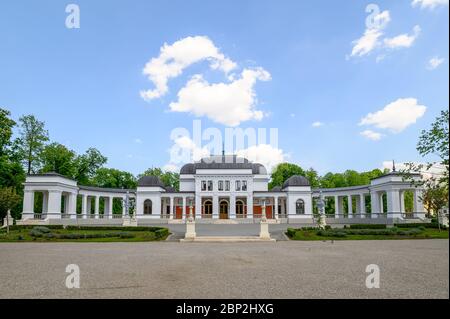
(282, 172)
(33, 137)
(9, 199)
(6, 125)
(110, 177)
(57, 158)
(170, 179)
(88, 164)
(313, 177)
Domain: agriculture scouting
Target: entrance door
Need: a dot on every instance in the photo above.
(223, 210)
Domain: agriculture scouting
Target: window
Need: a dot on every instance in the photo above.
(238, 185)
(300, 207)
(203, 185)
(220, 185)
(210, 185)
(227, 185)
(244, 185)
(147, 207)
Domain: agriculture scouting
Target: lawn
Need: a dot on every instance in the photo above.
(83, 234)
(367, 234)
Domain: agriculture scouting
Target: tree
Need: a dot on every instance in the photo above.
(6, 125)
(282, 172)
(32, 140)
(57, 158)
(88, 164)
(433, 141)
(9, 199)
(170, 179)
(313, 177)
(110, 177)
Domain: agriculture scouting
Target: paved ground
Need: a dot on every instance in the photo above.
(409, 269)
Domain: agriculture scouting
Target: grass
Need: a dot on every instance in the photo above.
(428, 233)
(23, 235)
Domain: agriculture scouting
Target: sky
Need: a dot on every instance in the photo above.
(347, 84)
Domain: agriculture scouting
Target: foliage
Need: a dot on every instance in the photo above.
(59, 159)
(6, 125)
(33, 137)
(282, 172)
(8, 200)
(170, 179)
(367, 226)
(87, 165)
(110, 177)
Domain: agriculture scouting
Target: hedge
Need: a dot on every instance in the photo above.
(118, 228)
(19, 227)
(367, 226)
(416, 225)
(377, 232)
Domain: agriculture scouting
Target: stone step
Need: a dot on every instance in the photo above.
(226, 239)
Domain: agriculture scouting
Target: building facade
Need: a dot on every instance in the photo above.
(215, 189)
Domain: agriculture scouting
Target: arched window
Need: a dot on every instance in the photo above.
(207, 208)
(147, 207)
(239, 207)
(300, 207)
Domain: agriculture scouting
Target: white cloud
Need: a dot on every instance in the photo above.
(371, 135)
(396, 116)
(317, 124)
(138, 141)
(264, 154)
(436, 170)
(292, 115)
(429, 4)
(434, 62)
(225, 103)
(402, 40)
(370, 40)
(185, 143)
(174, 58)
(171, 168)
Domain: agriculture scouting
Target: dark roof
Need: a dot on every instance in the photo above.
(152, 181)
(223, 162)
(170, 189)
(106, 189)
(276, 189)
(296, 180)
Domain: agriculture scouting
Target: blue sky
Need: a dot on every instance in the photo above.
(85, 83)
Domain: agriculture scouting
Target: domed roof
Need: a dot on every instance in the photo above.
(152, 181)
(296, 180)
(223, 162)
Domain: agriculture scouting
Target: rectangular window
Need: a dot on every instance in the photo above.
(220, 185)
(227, 185)
(244, 185)
(238, 185)
(210, 185)
(203, 185)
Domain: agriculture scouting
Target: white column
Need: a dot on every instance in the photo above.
(183, 214)
(84, 206)
(97, 206)
(28, 205)
(276, 207)
(215, 213)
(374, 204)
(362, 205)
(402, 201)
(380, 198)
(88, 206)
(250, 206)
(54, 204)
(171, 206)
(336, 207)
(124, 208)
(349, 206)
(393, 204)
(232, 206)
(419, 210)
(110, 207)
(72, 205)
(44, 202)
(198, 206)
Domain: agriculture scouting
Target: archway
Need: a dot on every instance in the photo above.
(223, 209)
(147, 207)
(207, 209)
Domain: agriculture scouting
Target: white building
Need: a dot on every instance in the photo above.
(216, 189)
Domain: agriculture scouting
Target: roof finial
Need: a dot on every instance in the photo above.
(393, 166)
(223, 148)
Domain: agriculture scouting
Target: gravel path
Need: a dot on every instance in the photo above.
(409, 269)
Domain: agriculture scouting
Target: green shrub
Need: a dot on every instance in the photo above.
(42, 229)
(161, 233)
(21, 227)
(416, 225)
(118, 228)
(291, 232)
(367, 226)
